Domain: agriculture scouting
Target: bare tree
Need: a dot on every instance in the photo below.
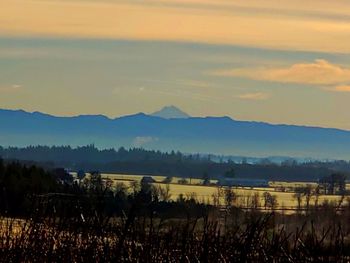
(165, 194)
(230, 197)
(308, 194)
(270, 201)
(155, 192)
(135, 187)
(216, 197)
(317, 195)
(266, 199)
(255, 204)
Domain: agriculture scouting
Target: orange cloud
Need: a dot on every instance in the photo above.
(254, 96)
(269, 24)
(340, 88)
(320, 72)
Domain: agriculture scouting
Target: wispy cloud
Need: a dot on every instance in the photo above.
(319, 72)
(179, 88)
(10, 88)
(141, 141)
(340, 88)
(23, 53)
(254, 96)
(197, 83)
(268, 24)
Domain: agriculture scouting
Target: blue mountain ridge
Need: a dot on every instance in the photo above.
(219, 135)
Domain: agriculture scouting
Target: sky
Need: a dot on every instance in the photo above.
(274, 61)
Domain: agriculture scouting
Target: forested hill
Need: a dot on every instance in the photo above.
(140, 161)
(90, 154)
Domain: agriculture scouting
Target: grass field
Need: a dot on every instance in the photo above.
(204, 194)
(157, 178)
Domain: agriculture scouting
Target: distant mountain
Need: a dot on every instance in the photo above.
(220, 135)
(171, 112)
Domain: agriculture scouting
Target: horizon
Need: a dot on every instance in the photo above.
(190, 116)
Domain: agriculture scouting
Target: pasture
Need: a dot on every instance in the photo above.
(194, 188)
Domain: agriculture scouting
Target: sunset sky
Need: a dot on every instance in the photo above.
(274, 60)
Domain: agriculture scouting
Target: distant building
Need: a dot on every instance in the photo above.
(246, 182)
(62, 176)
(147, 180)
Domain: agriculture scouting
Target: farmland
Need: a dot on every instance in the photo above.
(194, 188)
(101, 220)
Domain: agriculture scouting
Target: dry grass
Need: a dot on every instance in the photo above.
(204, 194)
(255, 239)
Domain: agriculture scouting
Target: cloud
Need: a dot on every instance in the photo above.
(14, 52)
(254, 96)
(319, 72)
(10, 88)
(268, 24)
(141, 141)
(340, 88)
(16, 86)
(197, 84)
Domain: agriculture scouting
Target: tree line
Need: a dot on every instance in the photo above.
(151, 162)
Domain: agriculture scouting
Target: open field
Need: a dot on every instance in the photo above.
(88, 222)
(205, 194)
(157, 178)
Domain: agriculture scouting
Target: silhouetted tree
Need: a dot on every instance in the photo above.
(334, 182)
(206, 178)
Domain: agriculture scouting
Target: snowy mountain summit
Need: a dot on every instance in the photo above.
(171, 112)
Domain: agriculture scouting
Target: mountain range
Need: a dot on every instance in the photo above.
(172, 129)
